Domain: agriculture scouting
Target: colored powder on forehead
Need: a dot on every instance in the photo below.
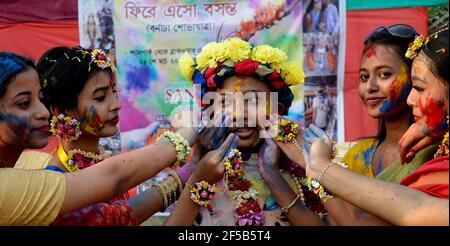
(434, 112)
(370, 53)
(399, 90)
(237, 85)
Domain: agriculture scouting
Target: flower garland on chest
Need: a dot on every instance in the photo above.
(247, 211)
(77, 159)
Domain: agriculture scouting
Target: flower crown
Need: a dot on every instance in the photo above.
(236, 56)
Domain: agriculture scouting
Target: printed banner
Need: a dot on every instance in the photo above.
(151, 36)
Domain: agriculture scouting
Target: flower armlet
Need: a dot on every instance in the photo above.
(180, 143)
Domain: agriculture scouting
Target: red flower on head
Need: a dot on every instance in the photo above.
(210, 82)
(274, 76)
(246, 67)
(210, 71)
(277, 84)
(101, 57)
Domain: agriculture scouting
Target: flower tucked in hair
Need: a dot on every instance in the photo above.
(100, 59)
(415, 46)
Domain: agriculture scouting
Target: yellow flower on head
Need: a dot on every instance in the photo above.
(293, 74)
(415, 47)
(210, 55)
(266, 54)
(187, 66)
(237, 49)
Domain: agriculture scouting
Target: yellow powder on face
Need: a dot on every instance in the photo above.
(237, 85)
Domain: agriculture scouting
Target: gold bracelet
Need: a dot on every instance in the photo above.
(167, 192)
(177, 180)
(159, 188)
(325, 169)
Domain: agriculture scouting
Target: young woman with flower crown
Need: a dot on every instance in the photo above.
(422, 197)
(244, 185)
(37, 197)
(87, 111)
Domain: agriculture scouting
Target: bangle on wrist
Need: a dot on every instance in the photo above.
(317, 188)
(159, 188)
(285, 210)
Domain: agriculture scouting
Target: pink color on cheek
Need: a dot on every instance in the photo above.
(433, 111)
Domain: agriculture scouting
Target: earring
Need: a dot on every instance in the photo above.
(65, 128)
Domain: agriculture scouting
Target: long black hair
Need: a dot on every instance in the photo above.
(63, 73)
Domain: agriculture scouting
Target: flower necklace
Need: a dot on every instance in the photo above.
(247, 211)
(77, 159)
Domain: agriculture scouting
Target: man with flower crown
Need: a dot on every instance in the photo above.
(250, 183)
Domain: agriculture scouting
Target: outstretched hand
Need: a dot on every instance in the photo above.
(311, 135)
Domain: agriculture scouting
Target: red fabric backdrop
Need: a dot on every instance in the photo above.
(360, 23)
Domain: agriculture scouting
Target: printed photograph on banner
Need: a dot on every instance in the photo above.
(321, 51)
(152, 35)
(96, 24)
(321, 37)
(320, 103)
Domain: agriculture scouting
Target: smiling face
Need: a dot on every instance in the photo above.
(429, 96)
(23, 117)
(384, 81)
(98, 106)
(249, 87)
